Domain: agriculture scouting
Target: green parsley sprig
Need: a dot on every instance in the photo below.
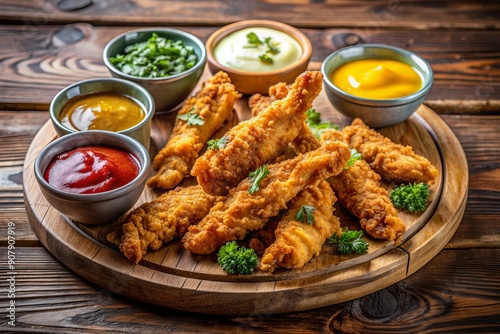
(254, 41)
(191, 117)
(236, 260)
(412, 197)
(350, 241)
(306, 214)
(315, 124)
(256, 176)
(217, 144)
(355, 155)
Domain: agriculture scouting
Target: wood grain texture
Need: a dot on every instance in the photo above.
(438, 298)
(207, 289)
(39, 61)
(422, 14)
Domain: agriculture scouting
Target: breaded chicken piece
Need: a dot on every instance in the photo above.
(297, 242)
(258, 140)
(243, 212)
(392, 161)
(359, 191)
(305, 140)
(214, 103)
(155, 223)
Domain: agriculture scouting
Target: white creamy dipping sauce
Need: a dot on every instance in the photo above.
(237, 52)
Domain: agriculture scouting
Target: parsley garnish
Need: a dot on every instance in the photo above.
(217, 144)
(355, 155)
(349, 241)
(306, 214)
(412, 197)
(256, 176)
(191, 118)
(255, 42)
(315, 124)
(236, 260)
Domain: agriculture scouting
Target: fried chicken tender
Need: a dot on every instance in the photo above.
(258, 140)
(305, 141)
(214, 103)
(155, 223)
(359, 191)
(392, 161)
(298, 242)
(243, 212)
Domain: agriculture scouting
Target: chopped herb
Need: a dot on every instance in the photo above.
(349, 241)
(155, 58)
(412, 197)
(306, 214)
(315, 124)
(355, 155)
(255, 42)
(191, 118)
(217, 144)
(256, 176)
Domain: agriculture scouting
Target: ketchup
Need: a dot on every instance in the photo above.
(92, 169)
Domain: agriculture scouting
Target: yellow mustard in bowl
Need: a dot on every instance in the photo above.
(377, 78)
(102, 111)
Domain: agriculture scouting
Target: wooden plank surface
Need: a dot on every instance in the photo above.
(37, 62)
(365, 14)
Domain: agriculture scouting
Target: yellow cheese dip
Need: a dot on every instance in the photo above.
(101, 111)
(236, 52)
(377, 78)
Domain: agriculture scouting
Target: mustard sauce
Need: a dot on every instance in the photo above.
(102, 111)
(377, 78)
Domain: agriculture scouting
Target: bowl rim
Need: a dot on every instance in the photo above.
(175, 32)
(134, 147)
(292, 31)
(381, 102)
(149, 112)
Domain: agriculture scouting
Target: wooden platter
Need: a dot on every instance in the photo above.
(175, 278)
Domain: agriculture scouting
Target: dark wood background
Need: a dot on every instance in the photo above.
(46, 45)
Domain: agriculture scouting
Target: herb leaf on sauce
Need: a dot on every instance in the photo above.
(272, 48)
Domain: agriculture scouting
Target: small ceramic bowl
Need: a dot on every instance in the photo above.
(168, 92)
(376, 112)
(141, 131)
(97, 208)
(249, 82)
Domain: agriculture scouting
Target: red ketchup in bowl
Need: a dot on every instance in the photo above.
(92, 169)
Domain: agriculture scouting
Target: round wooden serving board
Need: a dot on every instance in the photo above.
(173, 277)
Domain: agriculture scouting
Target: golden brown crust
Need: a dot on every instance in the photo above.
(214, 103)
(242, 212)
(392, 161)
(298, 242)
(258, 140)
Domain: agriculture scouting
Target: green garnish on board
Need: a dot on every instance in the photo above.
(256, 176)
(315, 124)
(155, 58)
(306, 214)
(350, 241)
(412, 197)
(272, 49)
(217, 144)
(191, 118)
(236, 260)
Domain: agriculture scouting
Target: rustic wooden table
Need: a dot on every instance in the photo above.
(47, 45)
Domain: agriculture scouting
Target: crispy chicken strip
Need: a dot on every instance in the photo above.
(258, 140)
(305, 140)
(242, 212)
(214, 103)
(359, 191)
(155, 223)
(298, 242)
(392, 161)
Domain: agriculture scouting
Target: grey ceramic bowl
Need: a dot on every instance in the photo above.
(141, 131)
(98, 208)
(167, 92)
(376, 113)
